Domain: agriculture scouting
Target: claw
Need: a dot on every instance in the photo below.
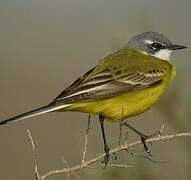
(106, 157)
(144, 138)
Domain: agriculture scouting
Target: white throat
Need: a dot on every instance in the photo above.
(164, 54)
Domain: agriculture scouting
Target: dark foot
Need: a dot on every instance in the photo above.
(106, 148)
(106, 157)
(144, 138)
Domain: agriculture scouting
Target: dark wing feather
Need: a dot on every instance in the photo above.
(107, 84)
(75, 84)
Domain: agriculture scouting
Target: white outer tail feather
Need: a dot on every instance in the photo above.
(36, 112)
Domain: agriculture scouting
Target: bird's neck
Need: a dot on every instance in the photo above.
(164, 54)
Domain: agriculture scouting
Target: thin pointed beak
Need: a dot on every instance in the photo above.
(177, 47)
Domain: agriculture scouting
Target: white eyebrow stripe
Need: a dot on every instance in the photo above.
(148, 41)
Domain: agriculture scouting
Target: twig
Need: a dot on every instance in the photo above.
(126, 135)
(161, 129)
(118, 149)
(120, 133)
(37, 176)
(86, 140)
(120, 127)
(130, 151)
(111, 165)
(70, 173)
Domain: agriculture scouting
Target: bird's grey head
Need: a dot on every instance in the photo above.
(155, 44)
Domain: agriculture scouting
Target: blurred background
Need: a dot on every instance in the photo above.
(45, 45)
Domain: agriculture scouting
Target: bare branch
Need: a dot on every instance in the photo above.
(37, 176)
(120, 133)
(120, 127)
(125, 146)
(162, 128)
(145, 156)
(126, 134)
(70, 173)
(86, 140)
(111, 165)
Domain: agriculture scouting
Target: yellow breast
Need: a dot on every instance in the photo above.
(125, 105)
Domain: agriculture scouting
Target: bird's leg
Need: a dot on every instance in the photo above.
(142, 136)
(106, 148)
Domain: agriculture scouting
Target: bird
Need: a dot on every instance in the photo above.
(125, 83)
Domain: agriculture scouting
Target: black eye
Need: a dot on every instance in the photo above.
(155, 45)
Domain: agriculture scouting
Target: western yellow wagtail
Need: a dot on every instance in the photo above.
(123, 84)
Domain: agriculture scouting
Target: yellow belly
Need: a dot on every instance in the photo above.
(123, 106)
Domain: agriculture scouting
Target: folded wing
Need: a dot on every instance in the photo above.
(109, 83)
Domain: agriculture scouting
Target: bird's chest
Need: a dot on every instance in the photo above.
(131, 104)
(135, 102)
(125, 105)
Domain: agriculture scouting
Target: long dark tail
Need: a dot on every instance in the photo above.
(35, 112)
